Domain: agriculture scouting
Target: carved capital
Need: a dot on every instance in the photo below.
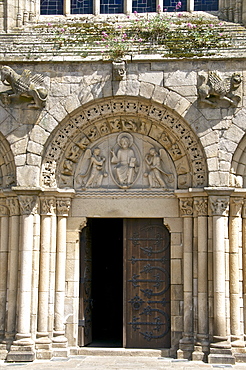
(201, 206)
(48, 206)
(3, 210)
(236, 205)
(63, 206)
(244, 209)
(219, 206)
(186, 207)
(13, 205)
(28, 204)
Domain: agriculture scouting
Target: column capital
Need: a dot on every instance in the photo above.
(3, 210)
(48, 206)
(63, 206)
(201, 206)
(236, 205)
(186, 207)
(13, 204)
(219, 205)
(28, 204)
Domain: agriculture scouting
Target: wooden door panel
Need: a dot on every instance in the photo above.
(147, 284)
(85, 299)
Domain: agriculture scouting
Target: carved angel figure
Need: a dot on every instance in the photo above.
(95, 172)
(217, 88)
(157, 176)
(26, 84)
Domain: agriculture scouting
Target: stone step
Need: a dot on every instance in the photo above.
(99, 351)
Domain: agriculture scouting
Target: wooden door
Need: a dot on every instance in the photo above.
(85, 298)
(146, 284)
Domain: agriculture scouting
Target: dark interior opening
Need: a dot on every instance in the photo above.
(107, 282)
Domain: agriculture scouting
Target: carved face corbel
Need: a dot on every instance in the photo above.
(119, 70)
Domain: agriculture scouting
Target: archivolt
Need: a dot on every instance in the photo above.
(238, 167)
(106, 116)
(7, 165)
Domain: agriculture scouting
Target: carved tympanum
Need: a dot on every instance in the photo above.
(26, 84)
(214, 89)
(95, 172)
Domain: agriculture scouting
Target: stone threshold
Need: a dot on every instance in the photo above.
(99, 351)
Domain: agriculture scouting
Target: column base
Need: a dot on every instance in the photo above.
(3, 351)
(221, 352)
(198, 354)
(43, 348)
(22, 349)
(59, 346)
(186, 347)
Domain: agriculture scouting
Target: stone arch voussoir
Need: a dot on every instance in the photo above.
(116, 114)
(7, 165)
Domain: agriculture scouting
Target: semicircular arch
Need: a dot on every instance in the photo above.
(7, 165)
(238, 166)
(89, 124)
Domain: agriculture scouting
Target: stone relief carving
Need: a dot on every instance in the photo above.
(125, 161)
(126, 166)
(26, 84)
(157, 176)
(95, 169)
(119, 70)
(214, 89)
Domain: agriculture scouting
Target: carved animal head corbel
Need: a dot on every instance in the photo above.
(119, 70)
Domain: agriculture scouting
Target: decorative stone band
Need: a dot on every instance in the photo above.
(219, 205)
(236, 205)
(13, 205)
(201, 206)
(63, 206)
(28, 204)
(48, 206)
(186, 207)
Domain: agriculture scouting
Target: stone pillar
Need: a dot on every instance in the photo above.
(202, 343)
(4, 249)
(234, 229)
(244, 263)
(59, 339)
(96, 7)
(43, 342)
(23, 347)
(186, 344)
(14, 231)
(220, 349)
(128, 6)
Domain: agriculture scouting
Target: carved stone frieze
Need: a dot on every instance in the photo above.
(27, 84)
(13, 206)
(28, 204)
(215, 89)
(236, 205)
(107, 120)
(201, 206)
(63, 206)
(3, 211)
(219, 205)
(186, 207)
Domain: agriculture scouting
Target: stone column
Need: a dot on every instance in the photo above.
(202, 343)
(244, 263)
(4, 249)
(186, 344)
(220, 349)
(43, 342)
(234, 228)
(23, 349)
(14, 231)
(59, 339)
(96, 7)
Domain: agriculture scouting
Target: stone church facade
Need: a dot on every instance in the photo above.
(122, 205)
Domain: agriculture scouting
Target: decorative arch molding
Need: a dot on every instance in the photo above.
(105, 117)
(238, 166)
(7, 165)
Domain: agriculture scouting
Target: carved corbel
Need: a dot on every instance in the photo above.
(119, 70)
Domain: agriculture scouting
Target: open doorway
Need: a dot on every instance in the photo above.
(107, 282)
